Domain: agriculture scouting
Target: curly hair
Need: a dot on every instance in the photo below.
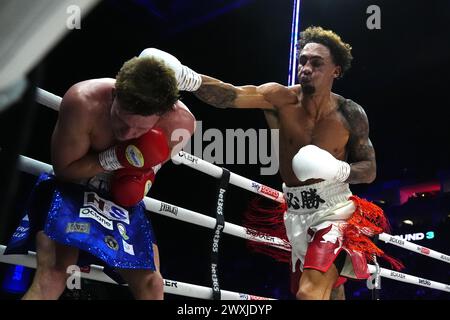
(145, 86)
(340, 51)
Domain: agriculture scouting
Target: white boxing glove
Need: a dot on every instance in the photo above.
(311, 162)
(187, 79)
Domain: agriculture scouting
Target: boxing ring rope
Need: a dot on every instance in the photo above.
(36, 167)
(53, 101)
(96, 273)
(403, 277)
(387, 238)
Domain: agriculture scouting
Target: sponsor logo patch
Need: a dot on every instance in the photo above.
(398, 275)
(188, 157)
(168, 208)
(122, 231)
(424, 250)
(134, 156)
(396, 240)
(170, 283)
(92, 214)
(268, 191)
(128, 248)
(148, 185)
(111, 243)
(79, 227)
(105, 207)
(425, 282)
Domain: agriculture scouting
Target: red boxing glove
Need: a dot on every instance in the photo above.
(148, 150)
(129, 186)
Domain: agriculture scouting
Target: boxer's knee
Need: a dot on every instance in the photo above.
(144, 284)
(151, 287)
(316, 285)
(51, 271)
(309, 291)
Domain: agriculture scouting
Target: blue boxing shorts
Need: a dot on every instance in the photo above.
(79, 216)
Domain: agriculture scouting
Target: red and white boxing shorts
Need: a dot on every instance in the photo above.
(313, 219)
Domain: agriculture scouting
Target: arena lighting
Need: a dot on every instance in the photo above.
(418, 190)
(408, 222)
(293, 47)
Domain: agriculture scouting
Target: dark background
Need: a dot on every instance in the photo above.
(399, 75)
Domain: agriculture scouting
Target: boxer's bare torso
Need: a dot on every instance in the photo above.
(329, 127)
(88, 124)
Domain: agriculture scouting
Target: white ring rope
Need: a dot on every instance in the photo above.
(387, 238)
(403, 277)
(36, 167)
(53, 101)
(96, 273)
(48, 99)
(237, 180)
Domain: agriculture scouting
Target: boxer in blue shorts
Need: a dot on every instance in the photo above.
(111, 137)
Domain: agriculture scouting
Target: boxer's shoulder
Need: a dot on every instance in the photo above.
(178, 118)
(347, 105)
(278, 94)
(352, 112)
(87, 98)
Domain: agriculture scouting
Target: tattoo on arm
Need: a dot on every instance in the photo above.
(217, 95)
(360, 149)
(362, 171)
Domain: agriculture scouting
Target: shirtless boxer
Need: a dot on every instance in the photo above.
(324, 146)
(112, 135)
